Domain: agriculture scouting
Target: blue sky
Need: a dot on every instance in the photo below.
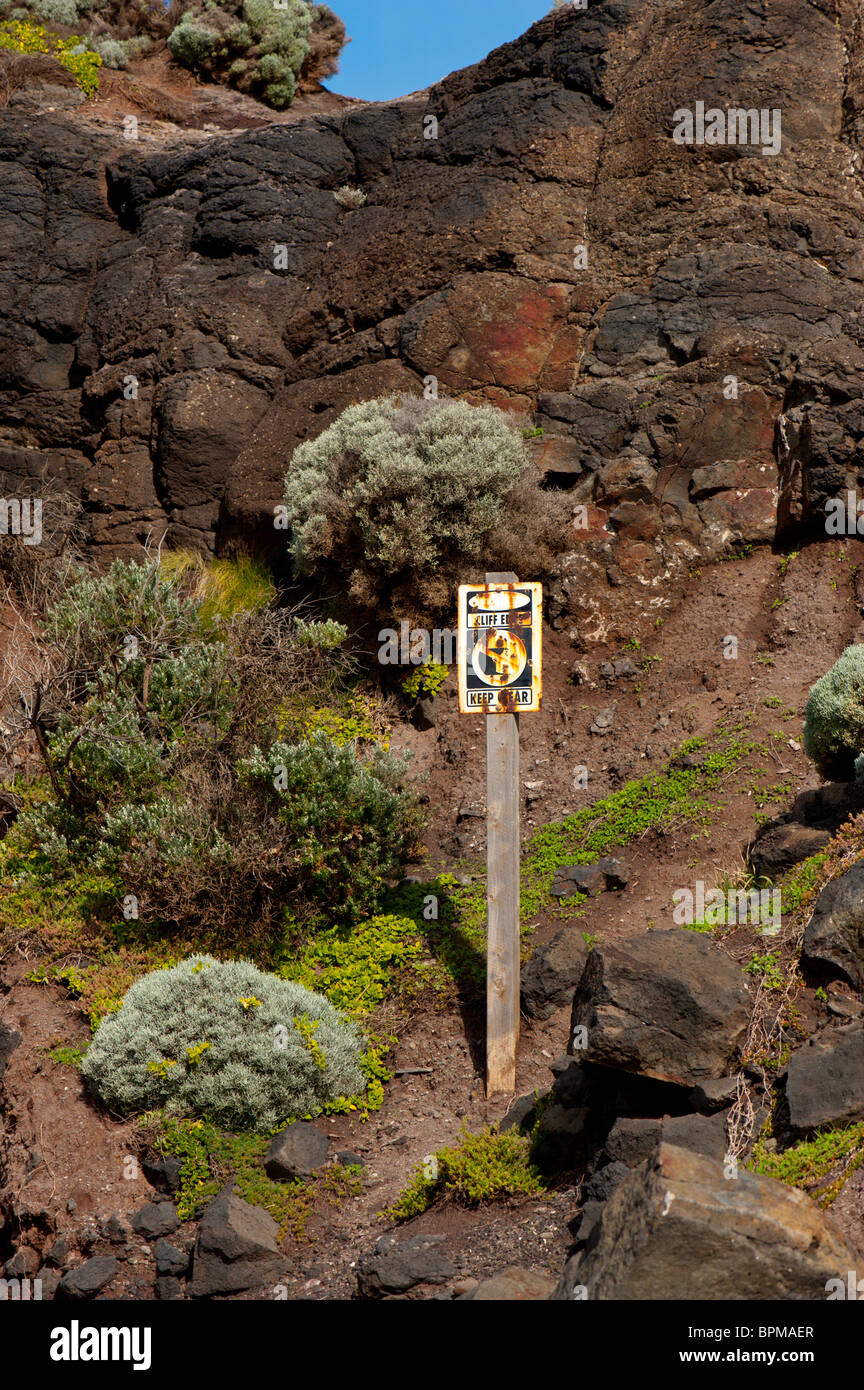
(401, 46)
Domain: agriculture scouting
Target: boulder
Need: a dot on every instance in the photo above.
(521, 1114)
(170, 1260)
(601, 1185)
(561, 1141)
(155, 1219)
(777, 848)
(48, 1281)
(677, 1228)
(701, 1134)
(424, 714)
(163, 1172)
(236, 1248)
(825, 1080)
(834, 936)
(632, 1140)
(669, 1005)
(827, 807)
(578, 878)
(397, 1269)
(58, 1252)
(24, 1262)
(89, 1278)
(714, 1094)
(168, 1289)
(553, 972)
(349, 1159)
(115, 1230)
(297, 1152)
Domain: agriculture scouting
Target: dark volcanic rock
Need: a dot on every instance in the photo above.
(89, 1278)
(400, 1268)
(553, 972)
(155, 1219)
(631, 1141)
(170, 1260)
(168, 1289)
(702, 1134)
(834, 936)
(777, 848)
(236, 1248)
(825, 1080)
(297, 1151)
(678, 1228)
(714, 1094)
(669, 1005)
(590, 878)
(163, 1172)
(25, 1261)
(600, 1186)
(167, 360)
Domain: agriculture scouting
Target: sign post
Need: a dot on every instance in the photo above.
(499, 659)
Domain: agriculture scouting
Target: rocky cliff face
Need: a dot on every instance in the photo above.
(683, 320)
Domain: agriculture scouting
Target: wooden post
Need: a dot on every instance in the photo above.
(502, 894)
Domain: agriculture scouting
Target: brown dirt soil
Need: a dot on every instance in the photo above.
(161, 94)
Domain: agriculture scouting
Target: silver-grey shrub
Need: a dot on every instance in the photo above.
(276, 1050)
(401, 498)
(834, 717)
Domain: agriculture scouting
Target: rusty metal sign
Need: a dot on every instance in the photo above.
(499, 648)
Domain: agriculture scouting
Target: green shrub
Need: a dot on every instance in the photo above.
(57, 11)
(192, 44)
(357, 967)
(150, 731)
(399, 499)
(112, 52)
(425, 680)
(348, 822)
(323, 636)
(480, 1168)
(260, 49)
(835, 1153)
(136, 47)
(834, 717)
(226, 1042)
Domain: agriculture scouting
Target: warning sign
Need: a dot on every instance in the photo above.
(499, 647)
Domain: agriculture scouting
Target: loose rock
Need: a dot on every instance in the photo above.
(825, 1080)
(297, 1152)
(236, 1248)
(155, 1219)
(669, 1005)
(834, 936)
(88, 1278)
(394, 1271)
(677, 1228)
